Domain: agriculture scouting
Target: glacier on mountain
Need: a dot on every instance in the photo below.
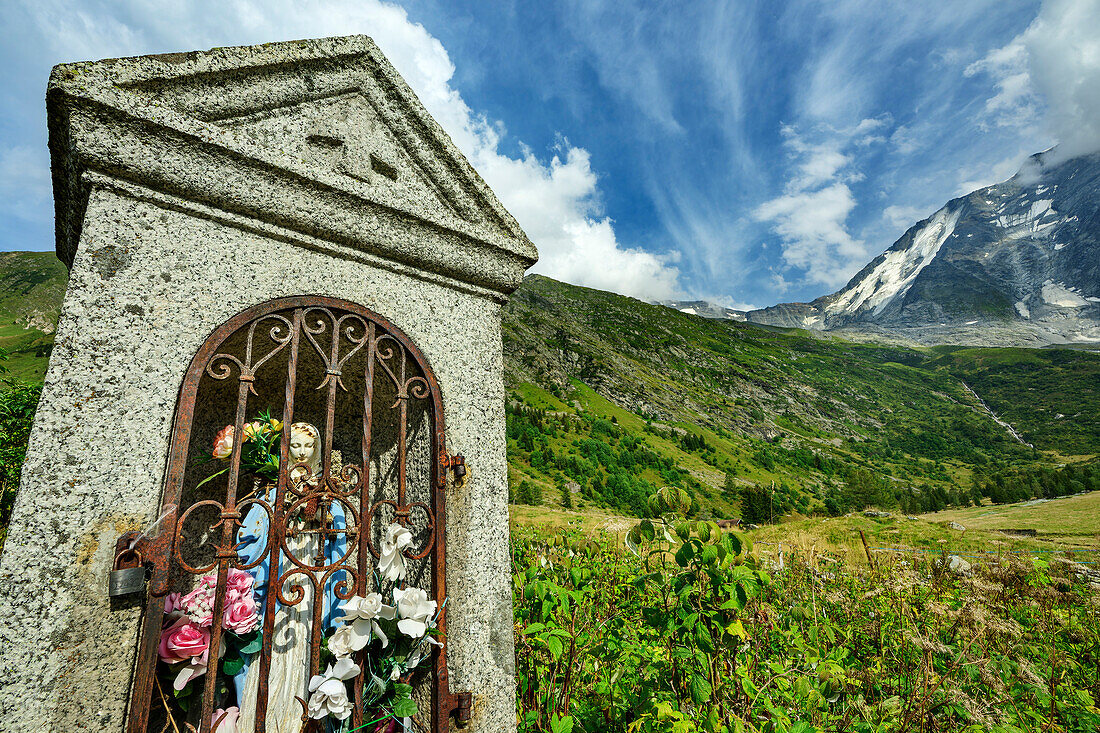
(897, 269)
(1016, 263)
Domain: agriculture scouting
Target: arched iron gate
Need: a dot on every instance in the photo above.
(365, 379)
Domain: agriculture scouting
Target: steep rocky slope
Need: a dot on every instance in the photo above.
(735, 404)
(1017, 263)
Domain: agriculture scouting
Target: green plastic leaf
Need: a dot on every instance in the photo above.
(254, 642)
(404, 707)
(232, 665)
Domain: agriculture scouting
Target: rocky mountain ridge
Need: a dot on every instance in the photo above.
(1016, 263)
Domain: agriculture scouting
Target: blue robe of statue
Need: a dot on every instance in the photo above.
(252, 538)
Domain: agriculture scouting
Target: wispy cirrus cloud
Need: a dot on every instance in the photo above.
(740, 147)
(1015, 102)
(811, 216)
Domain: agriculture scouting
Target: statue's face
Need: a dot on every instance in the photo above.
(302, 446)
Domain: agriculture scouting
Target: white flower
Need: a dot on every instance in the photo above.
(391, 563)
(329, 695)
(415, 611)
(341, 643)
(360, 617)
(365, 607)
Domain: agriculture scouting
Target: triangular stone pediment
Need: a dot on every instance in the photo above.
(344, 135)
(330, 111)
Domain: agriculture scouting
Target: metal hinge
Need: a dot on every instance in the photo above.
(462, 711)
(457, 465)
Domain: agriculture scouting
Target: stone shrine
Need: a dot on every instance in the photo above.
(258, 236)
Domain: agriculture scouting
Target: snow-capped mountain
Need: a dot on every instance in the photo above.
(705, 309)
(1014, 263)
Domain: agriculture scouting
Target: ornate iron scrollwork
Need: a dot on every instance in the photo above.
(263, 349)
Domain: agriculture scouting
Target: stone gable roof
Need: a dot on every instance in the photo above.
(321, 137)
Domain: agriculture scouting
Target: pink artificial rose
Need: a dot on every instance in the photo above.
(253, 430)
(224, 721)
(223, 442)
(173, 610)
(183, 640)
(240, 615)
(199, 603)
(172, 603)
(240, 583)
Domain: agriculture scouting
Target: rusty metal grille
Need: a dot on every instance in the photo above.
(375, 402)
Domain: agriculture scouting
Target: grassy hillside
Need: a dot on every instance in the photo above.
(32, 285)
(1049, 395)
(611, 397)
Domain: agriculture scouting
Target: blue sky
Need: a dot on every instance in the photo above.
(744, 152)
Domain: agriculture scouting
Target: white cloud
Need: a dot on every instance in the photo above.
(821, 164)
(811, 217)
(815, 237)
(725, 301)
(1055, 61)
(556, 202)
(905, 140)
(1063, 47)
(998, 172)
(1014, 104)
(902, 217)
(559, 209)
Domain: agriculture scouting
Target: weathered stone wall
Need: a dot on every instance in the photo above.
(153, 275)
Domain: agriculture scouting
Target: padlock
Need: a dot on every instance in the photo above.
(124, 581)
(461, 472)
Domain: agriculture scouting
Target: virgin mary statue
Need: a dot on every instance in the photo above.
(288, 675)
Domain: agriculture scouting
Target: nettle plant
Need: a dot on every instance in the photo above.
(569, 640)
(697, 581)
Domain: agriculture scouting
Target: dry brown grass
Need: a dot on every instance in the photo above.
(1072, 522)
